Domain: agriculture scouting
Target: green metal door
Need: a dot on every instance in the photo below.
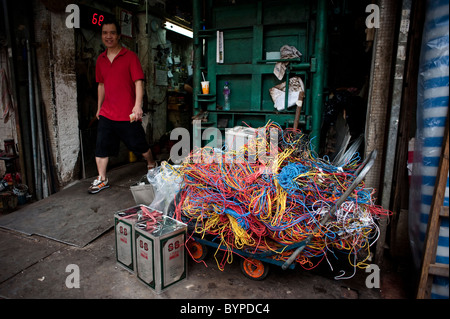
(253, 31)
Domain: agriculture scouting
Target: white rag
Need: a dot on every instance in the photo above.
(286, 52)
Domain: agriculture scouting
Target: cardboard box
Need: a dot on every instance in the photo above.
(238, 136)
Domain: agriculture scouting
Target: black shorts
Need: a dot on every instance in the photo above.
(110, 133)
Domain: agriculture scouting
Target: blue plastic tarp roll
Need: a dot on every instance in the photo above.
(432, 111)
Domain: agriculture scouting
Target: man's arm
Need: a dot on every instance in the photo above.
(101, 97)
(137, 109)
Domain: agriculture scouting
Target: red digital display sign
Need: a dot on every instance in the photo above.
(97, 18)
(92, 18)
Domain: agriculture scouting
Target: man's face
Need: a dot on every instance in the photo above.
(110, 37)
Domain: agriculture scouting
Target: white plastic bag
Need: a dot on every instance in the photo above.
(278, 93)
(166, 184)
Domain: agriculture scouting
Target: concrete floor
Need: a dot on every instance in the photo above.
(33, 266)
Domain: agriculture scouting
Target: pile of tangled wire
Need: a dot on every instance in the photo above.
(273, 193)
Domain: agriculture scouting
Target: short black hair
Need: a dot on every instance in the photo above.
(110, 20)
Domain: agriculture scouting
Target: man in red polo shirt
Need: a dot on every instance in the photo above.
(120, 92)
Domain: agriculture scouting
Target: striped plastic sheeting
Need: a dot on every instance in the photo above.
(432, 108)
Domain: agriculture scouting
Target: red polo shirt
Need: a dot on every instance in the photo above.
(118, 78)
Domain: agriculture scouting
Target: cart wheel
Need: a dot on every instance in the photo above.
(198, 251)
(254, 269)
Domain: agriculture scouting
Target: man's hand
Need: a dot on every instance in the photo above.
(138, 113)
(101, 98)
(137, 109)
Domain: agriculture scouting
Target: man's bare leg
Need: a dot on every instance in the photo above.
(102, 164)
(149, 158)
(101, 182)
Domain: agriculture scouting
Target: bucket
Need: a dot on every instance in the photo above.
(8, 202)
(143, 192)
(21, 191)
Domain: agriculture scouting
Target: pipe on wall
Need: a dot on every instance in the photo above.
(39, 127)
(196, 14)
(319, 76)
(34, 146)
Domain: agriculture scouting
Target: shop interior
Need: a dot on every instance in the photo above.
(168, 60)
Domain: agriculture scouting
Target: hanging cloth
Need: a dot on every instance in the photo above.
(286, 52)
(6, 100)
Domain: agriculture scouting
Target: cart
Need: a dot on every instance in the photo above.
(256, 265)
